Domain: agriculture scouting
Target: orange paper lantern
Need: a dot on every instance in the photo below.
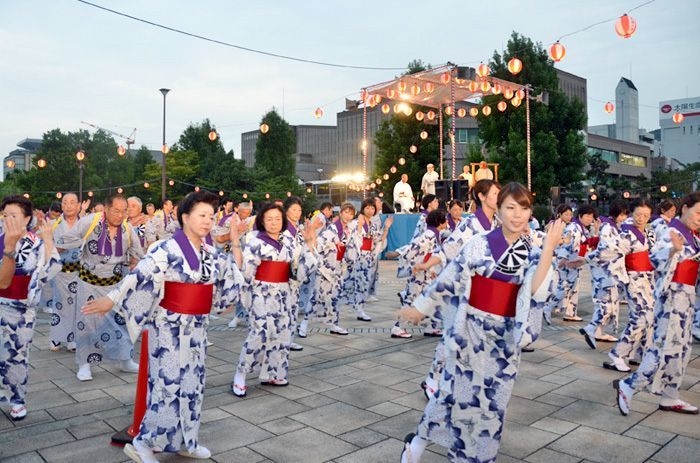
(502, 106)
(415, 89)
(401, 86)
(461, 112)
(515, 66)
(678, 117)
(557, 51)
(508, 94)
(485, 86)
(419, 116)
(448, 110)
(496, 89)
(318, 113)
(515, 101)
(473, 112)
(483, 70)
(445, 78)
(391, 93)
(609, 107)
(121, 151)
(486, 110)
(431, 115)
(473, 86)
(423, 135)
(429, 87)
(413, 149)
(625, 26)
(213, 135)
(264, 128)
(386, 108)
(520, 94)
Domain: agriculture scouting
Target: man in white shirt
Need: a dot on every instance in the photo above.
(467, 175)
(427, 185)
(483, 173)
(403, 194)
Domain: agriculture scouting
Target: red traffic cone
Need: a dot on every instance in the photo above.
(126, 435)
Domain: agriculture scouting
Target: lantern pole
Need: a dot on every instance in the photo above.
(527, 123)
(453, 129)
(364, 140)
(442, 175)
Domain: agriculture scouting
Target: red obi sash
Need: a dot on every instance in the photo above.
(273, 271)
(686, 272)
(591, 243)
(367, 243)
(493, 296)
(427, 257)
(18, 289)
(188, 298)
(583, 249)
(638, 262)
(340, 251)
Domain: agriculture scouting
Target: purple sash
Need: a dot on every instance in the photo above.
(686, 232)
(451, 223)
(365, 227)
(608, 220)
(104, 244)
(291, 228)
(631, 228)
(187, 249)
(270, 240)
(224, 218)
(580, 226)
(483, 220)
(338, 228)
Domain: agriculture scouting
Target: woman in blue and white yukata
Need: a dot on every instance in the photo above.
(377, 222)
(636, 239)
(577, 241)
(420, 249)
(29, 261)
(366, 244)
(485, 196)
(170, 293)
(607, 264)
(270, 261)
(676, 257)
(429, 203)
(331, 247)
(455, 209)
(503, 283)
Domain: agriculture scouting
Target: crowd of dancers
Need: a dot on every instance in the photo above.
(482, 283)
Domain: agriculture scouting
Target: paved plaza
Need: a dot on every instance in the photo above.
(353, 398)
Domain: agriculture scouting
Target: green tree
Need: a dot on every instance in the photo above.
(274, 151)
(558, 151)
(596, 169)
(180, 165)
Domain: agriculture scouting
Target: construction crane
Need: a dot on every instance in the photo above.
(128, 140)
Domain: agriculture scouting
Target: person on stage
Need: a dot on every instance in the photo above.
(507, 280)
(427, 184)
(483, 172)
(270, 260)
(29, 261)
(403, 195)
(676, 257)
(171, 293)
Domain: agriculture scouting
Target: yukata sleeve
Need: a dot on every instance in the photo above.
(45, 271)
(308, 263)
(140, 292)
(529, 306)
(664, 261)
(327, 251)
(135, 248)
(408, 257)
(251, 262)
(227, 290)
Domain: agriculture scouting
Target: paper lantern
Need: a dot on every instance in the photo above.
(557, 51)
(485, 86)
(415, 89)
(429, 87)
(10, 163)
(448, 110)
(196, 188)
(377, 99)
(171, 183)
(473, 86)
(318, 114)
(520, 94)
(90, 193)
(502, 106)
(121, 151)
(678, 117)
(267, 195)
(41, 163)
(515, 66)
(473, 112)
(413, 149)
(386, 176)
(461, 112)
(420, 116)
(245, 195)
(496, 89)
(212, 135)
(423, 135)
(392, 169)
(625, 26)
(401, 86)
(431, 115)
(515, 101)
(391, 93)
(445, 78)
(609, 107)
(221, 192)
(386, 108)
(59, 195)
(264, 128)
(663, 188)
(508, 94)
(26, 195)
(407, 110)
(483, 70)
(486, 110)
(402, 161)
(80, 155)
(146, 185)
(120, 190)
(397, 108)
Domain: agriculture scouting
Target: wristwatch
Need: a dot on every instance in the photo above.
(10, 254)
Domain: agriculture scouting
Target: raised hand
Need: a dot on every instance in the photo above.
(85, 205)
(554, 234)
(14, 229)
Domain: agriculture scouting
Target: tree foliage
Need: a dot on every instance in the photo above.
(558, 151)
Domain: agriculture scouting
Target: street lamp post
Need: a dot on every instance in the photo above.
(80, 156)
(163, 149)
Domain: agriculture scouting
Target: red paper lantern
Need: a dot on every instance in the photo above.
(486, 110)
(429, 87)
(473, 112)
(391, 93)
(461, 112)
(445, 78)
(609, 107)
(678, 117)
(502, 106)
(515, 66)
(625, 26)
(483, 70)
(318, 113)
(557, 52)
(431, 115)
(386, 108)
(473, 86)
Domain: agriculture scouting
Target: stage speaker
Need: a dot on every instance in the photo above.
(461, 190)
(466, 73)
(442, 189)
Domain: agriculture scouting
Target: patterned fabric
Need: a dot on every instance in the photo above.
(177, 342)
(608, 274)
(481, 351)
(65, 287)
(92, 279)
(567, 289)
(324, 301)
(360, 265)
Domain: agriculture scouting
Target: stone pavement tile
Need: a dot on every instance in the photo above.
(540, 355)
(230, 433)
(48, 398)
(598, 416)
(124, 393)
(218, 379)
(530, 388)
(91, 395)
(240, 455)
(49, 372)
(398, 426)
(556, 378)
(261, 409)
(363, 395)
(534, 370)
(526, 412)
(365, 364)
(338, 354)
(388, 409)
(520, 441)
(385, 376)
(677, 423)
(587, 390)
(214, 414)
(337, 418)
(557, 362)
(304, 446)
(546, 455)
(291, 392)
(388, 450)
(282, 426)
(648, 434)
(101, 379)
(90, 429)
(312, 384)
(555, 425)
(604, 447)
(83, 408)
(411, 385)
(31, 457)
(315, 400)
(402, 360)
(47, 440)
(34, 386)
(33, 417)
(679, 450)
(120, 422)
(331, 374)
(362, 437)
(591, 372)
(556, 399)
(507, 459)
(415, 400)
(95, 449)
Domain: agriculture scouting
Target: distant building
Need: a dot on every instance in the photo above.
(21, 159)
(680, 141)
(627, 111)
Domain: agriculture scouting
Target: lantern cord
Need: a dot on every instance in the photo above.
(604, 21)
(240, 47)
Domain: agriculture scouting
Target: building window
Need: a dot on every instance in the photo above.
(632, 160)
(465, 136)
(606, 155)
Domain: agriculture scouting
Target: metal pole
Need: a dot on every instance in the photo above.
(527, 122)
(164, 91)
(364, 142)
(80, 181)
